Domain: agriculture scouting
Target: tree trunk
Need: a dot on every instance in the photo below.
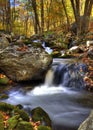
(65, 10)
(42, 15)
(8, 16)
(76, 9)
(82, 22)
(37, 25)
(86, 16)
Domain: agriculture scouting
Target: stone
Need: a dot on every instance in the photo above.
(25, 63)
(3, 43)
(90, 53)
(4, 80)
(13, 121)
(88, 123)
(38, 114)
(89, 43)
(44, 128)
(23, 125)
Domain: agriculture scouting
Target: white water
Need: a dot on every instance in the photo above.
(46, 90)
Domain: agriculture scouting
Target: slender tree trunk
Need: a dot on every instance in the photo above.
(8, 16)
(76, 9)
(65, 10)
(42, 15)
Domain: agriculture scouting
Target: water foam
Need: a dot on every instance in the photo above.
(46, 90)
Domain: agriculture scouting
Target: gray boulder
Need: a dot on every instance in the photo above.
(88, 123)
(25, 63)
(3, 43)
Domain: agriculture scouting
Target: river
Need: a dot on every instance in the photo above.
(67, 107)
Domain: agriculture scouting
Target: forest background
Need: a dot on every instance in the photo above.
(28, 17)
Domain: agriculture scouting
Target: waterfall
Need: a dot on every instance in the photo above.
(49, 77)
(60, 79)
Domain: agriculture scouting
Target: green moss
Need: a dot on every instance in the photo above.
(4, 96)
(13, 121)
(4, 80)
(22, 114)
(23, 125)
(13, 110)
(1, 122)
(44, 128)
(6, 107)
(56, 54)
(38, 114)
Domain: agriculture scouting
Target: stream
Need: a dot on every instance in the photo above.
(67, 106)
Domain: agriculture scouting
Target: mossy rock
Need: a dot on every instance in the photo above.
(1, 122)
(13, 121)
(4, 80)
(56, 54)
(37, 44)
(38, 114)
(4, 96)
(6, 107)
(22, 114)
(12, 110)
(43, 128)
(23, 125)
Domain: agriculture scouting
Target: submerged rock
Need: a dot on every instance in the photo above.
(24, 63)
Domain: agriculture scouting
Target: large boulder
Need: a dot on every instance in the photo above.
(88, 123)
(24, 63)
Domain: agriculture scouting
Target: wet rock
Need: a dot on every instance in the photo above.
(89, 43)
(75, 49)
(38, 114)
(24, 63)
(88, 123)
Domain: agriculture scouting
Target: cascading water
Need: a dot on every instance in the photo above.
(57, 96)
